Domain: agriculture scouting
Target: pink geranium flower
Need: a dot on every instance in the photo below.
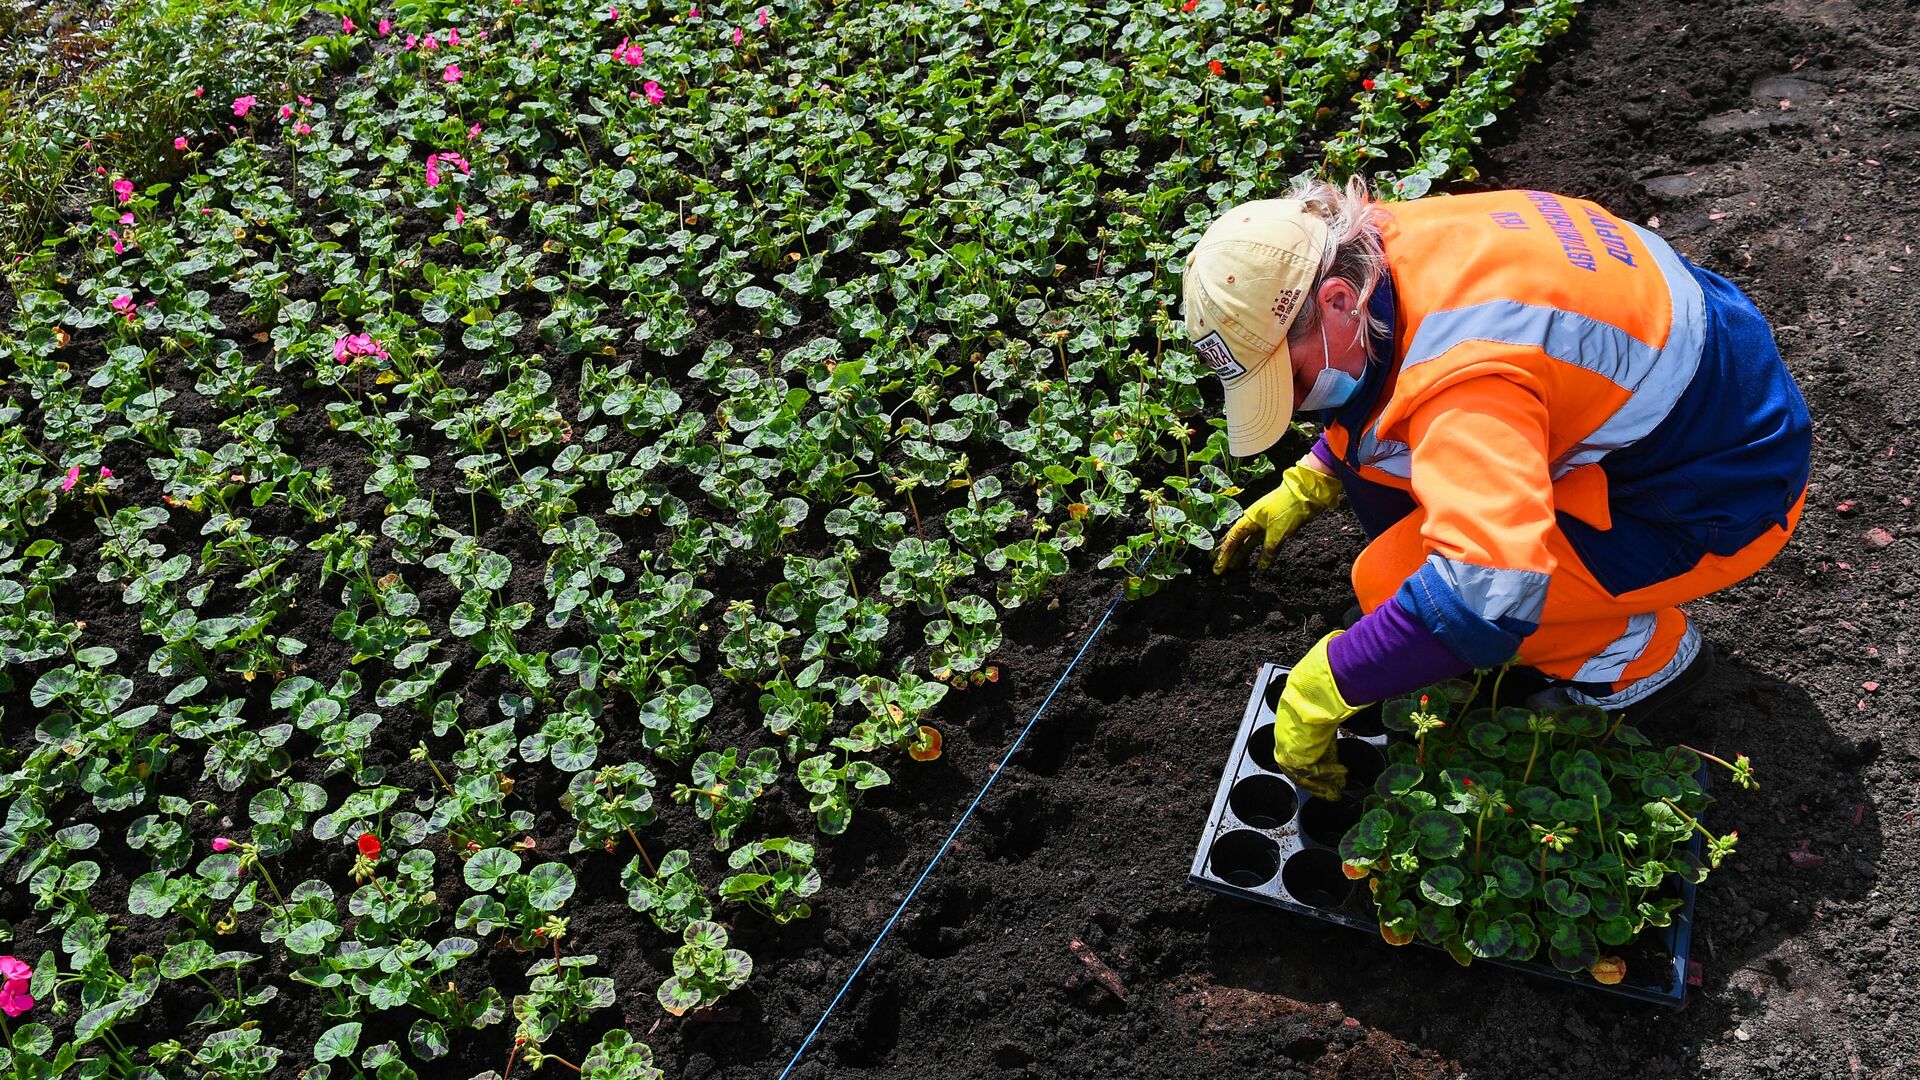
(286, 112)
(451, 74)
(453, 36)
(14, 998)
(433, 166)
(126, 219)
(613, 13)
(474, 131)
(385, 27)
(412, 40)
(243, 103)
(654, 94)
(119, 245)
(221, 843)
(123, 190)
(429, 42)
(629, 54)
(199, 91)
(346, 24)
(180, 142)
(693, 12)
(738, 34)
(354, 345)
(106, 473)
(301, 128)
(73, 477)
(764, 19)
(459, 215)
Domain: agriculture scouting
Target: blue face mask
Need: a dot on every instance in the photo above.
(1332, 388)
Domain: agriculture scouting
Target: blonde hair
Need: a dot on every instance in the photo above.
(1354, 253)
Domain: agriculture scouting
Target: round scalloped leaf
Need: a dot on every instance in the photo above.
(337, 1041)
(1526, 941)
(1398, 779)
(1488, 738)
(1536, 803)
(1438, 834)
(1442, 885)
(678, 997)
(1368, 837)
(549, 886)
(1581, 776)
(1511, 876)
(428, 1039)
(1515, 718)
(1488, 938)
(1606, 905)
(1586, 720)
(1437, 924)
(1688, 865)
(1396, 714)
(1628, 735)
(1572, 949)
(1398, 920)
(489, 867)
(1616, 931)
(1661, 786)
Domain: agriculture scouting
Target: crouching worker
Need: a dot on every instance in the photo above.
(1554, 430)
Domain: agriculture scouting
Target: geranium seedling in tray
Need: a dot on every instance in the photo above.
(1560, 843)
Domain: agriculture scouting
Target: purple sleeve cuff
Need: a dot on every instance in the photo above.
(1388, 652)
(1324, 452)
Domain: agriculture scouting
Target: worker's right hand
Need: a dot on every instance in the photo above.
(1303, 492)
(1305, 721)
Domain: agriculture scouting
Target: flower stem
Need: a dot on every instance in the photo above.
(652, 870)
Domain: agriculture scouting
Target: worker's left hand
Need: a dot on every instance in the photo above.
(1309, 711)
(1304, 490)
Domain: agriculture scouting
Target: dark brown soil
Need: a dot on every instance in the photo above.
(1773, 141)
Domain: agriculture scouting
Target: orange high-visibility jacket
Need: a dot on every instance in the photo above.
(1552, 365)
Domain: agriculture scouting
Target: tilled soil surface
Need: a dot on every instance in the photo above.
(1773, 141)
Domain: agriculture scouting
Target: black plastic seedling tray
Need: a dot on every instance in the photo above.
(1268, 841)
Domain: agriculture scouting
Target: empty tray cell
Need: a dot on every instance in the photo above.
(1260, 748)
(1326, 822)
(1314, 878)
(1264, 802)
(1246, 858)
(1363, 760)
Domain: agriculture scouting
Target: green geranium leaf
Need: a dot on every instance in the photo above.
(1398, 779)
(1368, 837)
(1565, 899)
(1489, 938)
(1442, 885)
(1438, 834)
(1511, 876)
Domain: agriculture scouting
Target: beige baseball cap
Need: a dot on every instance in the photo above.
(1245, 281)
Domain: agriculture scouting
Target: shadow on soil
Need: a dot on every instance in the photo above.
(1782, 878)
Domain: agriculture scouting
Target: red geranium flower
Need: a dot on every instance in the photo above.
(1368, 83)
(1190, 5)
(1216, 67)
(369, 845)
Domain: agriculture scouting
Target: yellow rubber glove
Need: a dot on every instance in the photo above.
(1303, 492)
(1310, 709)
